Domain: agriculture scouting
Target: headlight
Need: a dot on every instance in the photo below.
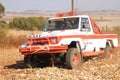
(24, 45)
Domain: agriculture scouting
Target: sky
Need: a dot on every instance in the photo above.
(59, 5)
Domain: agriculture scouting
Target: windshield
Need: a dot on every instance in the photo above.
(62, 23)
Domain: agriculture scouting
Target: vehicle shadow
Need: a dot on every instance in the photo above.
(20, 65)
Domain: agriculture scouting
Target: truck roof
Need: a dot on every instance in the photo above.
(69, 16)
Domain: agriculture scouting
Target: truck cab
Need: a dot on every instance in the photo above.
(81, 24)
(68, 39)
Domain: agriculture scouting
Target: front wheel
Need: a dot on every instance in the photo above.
(29, 61)
(73, 58)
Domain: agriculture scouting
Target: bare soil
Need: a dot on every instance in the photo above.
(95, 68)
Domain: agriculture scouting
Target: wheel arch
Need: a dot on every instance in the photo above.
(110, 43)
(76, 44)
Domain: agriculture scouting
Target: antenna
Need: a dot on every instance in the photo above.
(72, 6)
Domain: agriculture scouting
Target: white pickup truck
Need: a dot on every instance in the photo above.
(67, 40)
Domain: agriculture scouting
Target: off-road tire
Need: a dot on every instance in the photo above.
(108, 52)
(73, 58)
(29, 61)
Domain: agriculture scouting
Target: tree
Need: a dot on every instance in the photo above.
(2, 9)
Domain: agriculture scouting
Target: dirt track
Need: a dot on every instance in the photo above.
(12, 68)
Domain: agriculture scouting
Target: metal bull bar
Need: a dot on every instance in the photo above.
(40, 47)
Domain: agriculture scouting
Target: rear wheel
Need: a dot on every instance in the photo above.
(73, 58)
(108, 52)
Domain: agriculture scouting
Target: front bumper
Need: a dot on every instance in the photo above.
(43, 49)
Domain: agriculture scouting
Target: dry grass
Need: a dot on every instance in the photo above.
(93, 69)
(15, 38)
(12, 41)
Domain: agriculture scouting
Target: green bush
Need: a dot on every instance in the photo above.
(38, 22)
(31, 23)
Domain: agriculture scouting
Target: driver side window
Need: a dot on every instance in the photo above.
(85, 26)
